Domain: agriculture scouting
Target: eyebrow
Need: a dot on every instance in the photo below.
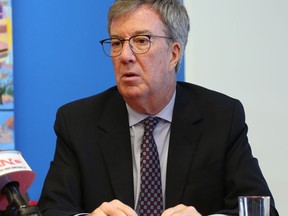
(142, 32)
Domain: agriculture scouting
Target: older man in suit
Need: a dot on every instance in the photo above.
(203, 154)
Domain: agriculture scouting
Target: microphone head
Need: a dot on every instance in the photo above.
(13, 168)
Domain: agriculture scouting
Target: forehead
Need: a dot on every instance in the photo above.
(143, 19)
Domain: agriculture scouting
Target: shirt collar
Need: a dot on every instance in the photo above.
(166, 113)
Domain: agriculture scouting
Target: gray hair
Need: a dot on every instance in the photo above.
(172, 12)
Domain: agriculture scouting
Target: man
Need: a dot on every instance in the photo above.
(201, 136)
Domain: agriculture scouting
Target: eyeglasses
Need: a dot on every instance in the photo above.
(139, 44)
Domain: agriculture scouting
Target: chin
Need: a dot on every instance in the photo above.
(132, 94)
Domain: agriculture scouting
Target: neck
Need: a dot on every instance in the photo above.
(150, 105)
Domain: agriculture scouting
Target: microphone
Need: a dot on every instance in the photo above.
(15, 178)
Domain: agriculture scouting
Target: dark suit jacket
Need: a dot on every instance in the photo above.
(210, 162)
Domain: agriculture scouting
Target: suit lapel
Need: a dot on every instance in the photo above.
(184, 139)
(116, 147)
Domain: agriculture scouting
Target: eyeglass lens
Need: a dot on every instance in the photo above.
(138, 44)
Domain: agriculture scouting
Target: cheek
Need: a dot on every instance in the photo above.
(156, 71)
(114, 62)
(116, 68)
(157, 62)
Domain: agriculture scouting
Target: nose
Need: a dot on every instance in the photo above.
(127, 55)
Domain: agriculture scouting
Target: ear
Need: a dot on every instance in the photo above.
(175, 54)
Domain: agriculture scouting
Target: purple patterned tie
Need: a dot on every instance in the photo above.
(151, 198)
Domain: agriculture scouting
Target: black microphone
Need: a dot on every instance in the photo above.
(15, 178)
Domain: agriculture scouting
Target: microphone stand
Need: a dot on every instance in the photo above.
(17, 204)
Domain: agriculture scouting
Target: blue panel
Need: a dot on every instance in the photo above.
(57, 59)
(181, 72)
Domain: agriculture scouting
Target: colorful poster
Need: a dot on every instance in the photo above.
(6, 77)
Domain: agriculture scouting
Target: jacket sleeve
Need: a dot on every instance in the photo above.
(243, 173)
(61, 193)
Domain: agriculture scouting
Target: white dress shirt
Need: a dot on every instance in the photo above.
(161, 136)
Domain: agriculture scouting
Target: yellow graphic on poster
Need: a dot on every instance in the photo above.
(6, 77)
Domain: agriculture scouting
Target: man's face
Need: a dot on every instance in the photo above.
(146, 77)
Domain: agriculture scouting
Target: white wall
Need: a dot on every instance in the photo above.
(240, 47)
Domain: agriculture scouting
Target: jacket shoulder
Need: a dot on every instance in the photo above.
(105, 98)
(202, 93)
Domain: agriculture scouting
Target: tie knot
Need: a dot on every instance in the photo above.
(150, 123)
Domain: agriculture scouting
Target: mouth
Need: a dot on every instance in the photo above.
(129, 74)
(131, 78)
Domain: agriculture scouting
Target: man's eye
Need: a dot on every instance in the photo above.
(115, 43)
(141, 40)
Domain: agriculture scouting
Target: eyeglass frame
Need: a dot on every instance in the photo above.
(130, 46)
